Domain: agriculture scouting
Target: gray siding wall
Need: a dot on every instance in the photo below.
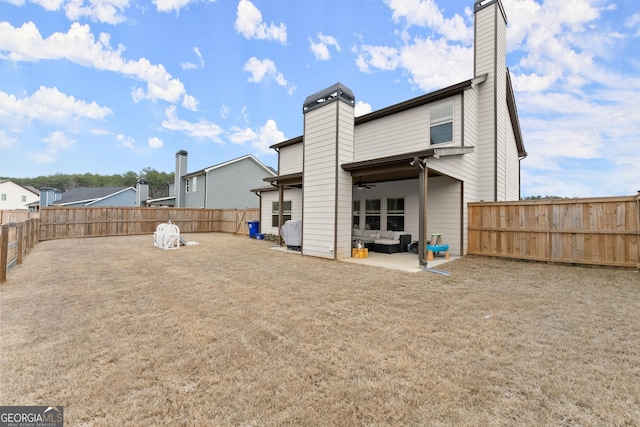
(291, 159)
(195, 199)
(229, 187)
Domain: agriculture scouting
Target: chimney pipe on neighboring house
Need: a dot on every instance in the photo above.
(47, 196)
(181, 170)
(142, 192)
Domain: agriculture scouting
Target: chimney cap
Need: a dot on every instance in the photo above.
(182, 153)
(336, 92)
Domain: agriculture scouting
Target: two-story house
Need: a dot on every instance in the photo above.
(225, 185)
(410, 167)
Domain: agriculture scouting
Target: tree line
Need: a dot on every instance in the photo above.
(65, 182)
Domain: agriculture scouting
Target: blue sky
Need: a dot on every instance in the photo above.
(110, 86)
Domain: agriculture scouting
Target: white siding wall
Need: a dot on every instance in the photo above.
(291, 159)
(399, 133)
(294, 195)
(443, 211)
(486, 63)
(403, 132)
(345, 183)
(512, 168)
(319, 181)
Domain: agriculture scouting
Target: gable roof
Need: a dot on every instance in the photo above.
(267, 169)
(88, 195)
(26, 187)
(428, 98)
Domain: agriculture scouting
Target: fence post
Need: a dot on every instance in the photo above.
(19, 238)
(4, 249)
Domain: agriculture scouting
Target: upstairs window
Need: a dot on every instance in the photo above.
(442, 123)
(194, 183)
(186, 185)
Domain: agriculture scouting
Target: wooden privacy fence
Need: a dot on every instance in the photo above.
(61, 223)
(603, 231)
(16, 215)
(16, 240)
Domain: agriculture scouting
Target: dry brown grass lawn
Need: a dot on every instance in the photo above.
(230, 332)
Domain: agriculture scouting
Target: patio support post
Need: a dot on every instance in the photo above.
(280, 212)
(422, 215)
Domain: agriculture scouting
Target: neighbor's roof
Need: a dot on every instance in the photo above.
(26, 187)
(88, 194)
(269, 170)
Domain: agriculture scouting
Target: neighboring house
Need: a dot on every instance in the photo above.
(223, 186)
(89, 197)
(15, 196)
(410, 167)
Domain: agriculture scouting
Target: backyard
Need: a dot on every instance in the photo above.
(231, 332)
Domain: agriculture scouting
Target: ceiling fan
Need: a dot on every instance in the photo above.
(361, 186)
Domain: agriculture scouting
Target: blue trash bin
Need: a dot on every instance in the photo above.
(254, 228)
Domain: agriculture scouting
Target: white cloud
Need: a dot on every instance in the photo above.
(192, 66)
(249, 24)
(240, 136)
(49, 105)
(155, 142)
(381, 57)
(430, 63)
(267, 136)
(126, 141)
(200, 129)
(78, 45)
(55, 143)
(361, 109)
(190, 103)
(224, 111)
(633, 22)
(259, 69)
(170, 5)
(261, 140)
(426, 13)
(321, 48)
(48, 5)
(6, 141)
(107, 11)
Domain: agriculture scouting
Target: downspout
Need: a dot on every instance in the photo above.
(280, 211)
(336, 187)
(206, 178)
